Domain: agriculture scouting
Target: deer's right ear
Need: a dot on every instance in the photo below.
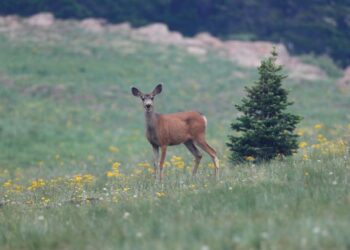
(157, 89)
(135, 91)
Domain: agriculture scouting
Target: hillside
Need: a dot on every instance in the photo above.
(76, 169)
(313, 27)
(67, 84)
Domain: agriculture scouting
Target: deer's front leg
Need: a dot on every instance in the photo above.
(161, 164)
(155, 159)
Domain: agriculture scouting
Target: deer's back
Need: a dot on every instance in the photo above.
(179, 127)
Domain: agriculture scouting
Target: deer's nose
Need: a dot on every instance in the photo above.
(148, 106)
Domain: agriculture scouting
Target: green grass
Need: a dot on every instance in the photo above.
(65, 99)
(270, 206)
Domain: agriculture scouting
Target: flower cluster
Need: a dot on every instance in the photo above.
(321, 144)
(37, 184)
(114, 172)
(178, 162)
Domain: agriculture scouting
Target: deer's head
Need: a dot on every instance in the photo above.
(147, 99)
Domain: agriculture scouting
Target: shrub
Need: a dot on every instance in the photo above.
(265, 129)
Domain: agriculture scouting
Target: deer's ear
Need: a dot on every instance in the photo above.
(135, 91)
(158, 89)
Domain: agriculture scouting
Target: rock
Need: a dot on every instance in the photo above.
(9, 22)
(250, 54)
(93, 24)
(209, 40)
(198, 51)
(41, 20)
(159, 32)
(122, 27)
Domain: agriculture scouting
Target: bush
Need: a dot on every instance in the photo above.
(265, 129)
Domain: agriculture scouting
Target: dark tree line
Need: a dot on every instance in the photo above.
(317, 26)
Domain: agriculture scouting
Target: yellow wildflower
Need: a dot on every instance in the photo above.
(180, 165)
(88, 178)
(160, 194)
(302, 144)
(301, 132)
(37, 184)
(115, 166)
(77, 178)
(178, 162)
(144, 164)
(321, 138)
(17, 188)
(211, 165)
(113, 149)
(110, 174)
(318, 126)
(305, 157)
(7, 184)
(114, 173)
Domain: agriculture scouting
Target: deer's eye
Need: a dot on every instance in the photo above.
(142, 98)
(152, 98)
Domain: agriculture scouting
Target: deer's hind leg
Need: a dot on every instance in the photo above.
(196, 153)
(202, 143)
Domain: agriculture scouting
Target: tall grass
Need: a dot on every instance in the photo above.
(67, 118)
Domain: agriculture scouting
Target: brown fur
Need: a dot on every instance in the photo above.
(164, 130)
(177, 128)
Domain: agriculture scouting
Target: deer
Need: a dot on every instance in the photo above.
(163, 130)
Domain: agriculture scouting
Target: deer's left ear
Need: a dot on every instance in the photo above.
(135, 91)
(157, 89)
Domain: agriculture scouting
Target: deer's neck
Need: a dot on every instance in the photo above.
(151, 119)
(151, 127)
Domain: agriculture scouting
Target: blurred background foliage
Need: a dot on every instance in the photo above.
(321, 27)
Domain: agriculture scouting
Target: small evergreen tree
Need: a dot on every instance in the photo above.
(265, 129)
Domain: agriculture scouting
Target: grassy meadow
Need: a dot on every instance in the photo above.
(75, 167)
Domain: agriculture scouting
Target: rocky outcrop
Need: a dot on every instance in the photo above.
(243, 53)
(43, 20)
(159, 33)
(9, 23)
(93, 24)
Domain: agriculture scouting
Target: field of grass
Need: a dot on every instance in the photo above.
(75, 165)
